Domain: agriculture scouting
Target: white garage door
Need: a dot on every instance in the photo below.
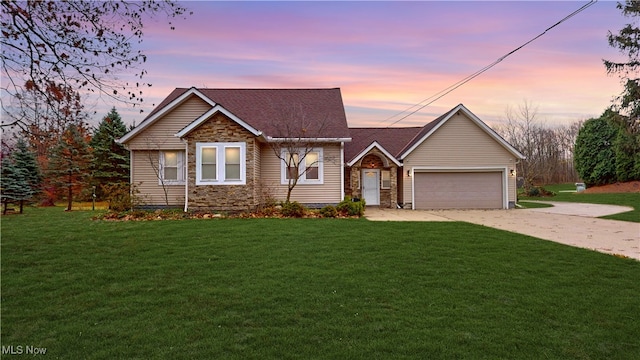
(458, 190)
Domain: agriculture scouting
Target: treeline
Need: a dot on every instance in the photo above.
(598, 151)
(55, 159)
(548, 150)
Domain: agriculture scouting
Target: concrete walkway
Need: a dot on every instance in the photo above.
(573, 224)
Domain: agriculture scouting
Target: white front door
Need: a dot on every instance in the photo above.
(371, 186)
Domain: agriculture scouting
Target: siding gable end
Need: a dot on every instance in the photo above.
(164, 111)
(461, 109)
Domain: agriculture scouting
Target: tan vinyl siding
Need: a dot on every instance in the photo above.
(145, 179)
(459, 142)
(160, 135)
(328, 192)
(257, 171)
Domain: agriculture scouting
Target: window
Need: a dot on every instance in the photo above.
(386, 179)
(221, 163)
(309, 169)
(311, 162)
(171, 168)
(232, 163)
(209, 160)
(292, 165)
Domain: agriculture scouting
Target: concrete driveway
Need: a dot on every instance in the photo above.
(573, 224)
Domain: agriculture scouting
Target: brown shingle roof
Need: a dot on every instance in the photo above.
(263, 109)
(391, 139)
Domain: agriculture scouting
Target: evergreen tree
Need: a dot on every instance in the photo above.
(110, 162)
(627, 41)
(20, 176)
(627, 143)
(69, 163)
(26, 159)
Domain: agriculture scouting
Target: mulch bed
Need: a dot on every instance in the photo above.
(625, 187)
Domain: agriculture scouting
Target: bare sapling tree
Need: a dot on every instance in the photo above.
(295, 142)
(158, 164)
(548, 149)
(521, 131)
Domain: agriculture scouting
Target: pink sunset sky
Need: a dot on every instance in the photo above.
(388, 56)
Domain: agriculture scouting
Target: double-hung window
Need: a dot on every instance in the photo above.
(171, 167)
(385, 176)
(221, 163)
(303, 164)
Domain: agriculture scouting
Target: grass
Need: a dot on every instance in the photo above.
(308, 288)
(524, 204)
(624, 199)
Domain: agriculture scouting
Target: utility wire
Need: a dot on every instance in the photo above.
(433, 98)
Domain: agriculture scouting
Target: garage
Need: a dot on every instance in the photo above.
(458, 190)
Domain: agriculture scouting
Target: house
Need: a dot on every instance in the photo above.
(235, 149)
(222, 149)
(456, 161)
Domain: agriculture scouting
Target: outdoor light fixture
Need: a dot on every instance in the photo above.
(409, 173)
(512, 172)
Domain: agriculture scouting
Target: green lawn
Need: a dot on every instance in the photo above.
(308, 288)
(624, 199)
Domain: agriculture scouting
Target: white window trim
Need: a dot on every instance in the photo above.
(302, 180)
(181, 168)
(220, 163)
(382, 180)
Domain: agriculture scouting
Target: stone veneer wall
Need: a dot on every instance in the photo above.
(223, 197)
(373, 160)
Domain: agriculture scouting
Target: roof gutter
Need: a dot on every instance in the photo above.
(314, 139)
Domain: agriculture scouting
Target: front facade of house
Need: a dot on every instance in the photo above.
(236, 149)
(196, 153)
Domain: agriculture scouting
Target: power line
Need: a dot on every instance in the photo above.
(433, 98)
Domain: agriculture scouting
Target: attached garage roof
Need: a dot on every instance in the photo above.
(392, 140)
(400, 142)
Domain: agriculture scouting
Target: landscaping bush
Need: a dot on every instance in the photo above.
(118, 195)
(329, 211)
(538, 191)
(350, 207)
(293, 209)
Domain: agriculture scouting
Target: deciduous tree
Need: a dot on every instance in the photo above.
(296, 145)
(69, 163)
(85, 45)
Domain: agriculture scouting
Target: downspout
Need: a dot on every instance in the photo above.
(341, 170)
(131, 190)
(186, 180)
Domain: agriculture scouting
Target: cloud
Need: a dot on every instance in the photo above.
(387, 56)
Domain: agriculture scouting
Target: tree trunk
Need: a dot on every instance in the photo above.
(70, 193)
(21, 205)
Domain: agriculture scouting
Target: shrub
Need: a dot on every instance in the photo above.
(293, 209)
(350, 207)
(538, 191)
(329, 211)
(118, 195)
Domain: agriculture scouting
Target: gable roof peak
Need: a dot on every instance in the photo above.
(319, 111)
